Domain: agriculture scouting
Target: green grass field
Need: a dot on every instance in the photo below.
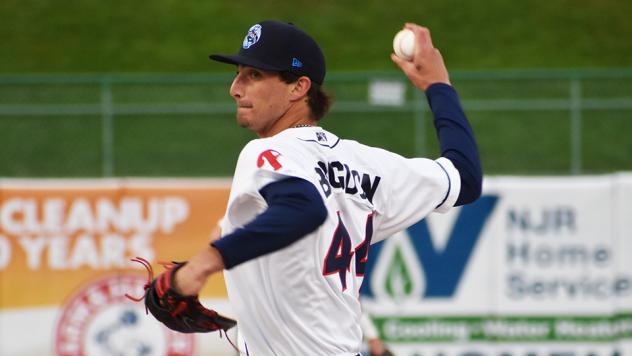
(166, 36)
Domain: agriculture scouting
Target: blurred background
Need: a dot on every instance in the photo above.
(92, 89)
(101, 95)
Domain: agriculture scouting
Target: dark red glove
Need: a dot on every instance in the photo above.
(181, 313)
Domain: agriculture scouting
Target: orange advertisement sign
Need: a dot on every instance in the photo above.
(57, 235)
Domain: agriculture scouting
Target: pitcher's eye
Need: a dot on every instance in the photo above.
(255, 74)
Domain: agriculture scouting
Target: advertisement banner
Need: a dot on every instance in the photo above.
(537, 266)
(65, 250)
(623, 244)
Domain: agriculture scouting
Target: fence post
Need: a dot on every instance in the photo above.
(576, 125)
(420, 124)
(106, 128)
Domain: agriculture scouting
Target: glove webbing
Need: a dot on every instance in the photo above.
(181, 306)
(150, 277)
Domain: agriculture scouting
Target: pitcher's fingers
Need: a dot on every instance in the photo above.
(401, 63)
(422, 35)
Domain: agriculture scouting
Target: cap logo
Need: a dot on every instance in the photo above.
(296, 63)
(252, 37)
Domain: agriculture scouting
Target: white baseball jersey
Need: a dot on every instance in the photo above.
(303, 299)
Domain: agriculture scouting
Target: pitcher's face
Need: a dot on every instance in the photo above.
(262, 98)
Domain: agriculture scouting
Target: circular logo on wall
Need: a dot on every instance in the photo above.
(100, 320)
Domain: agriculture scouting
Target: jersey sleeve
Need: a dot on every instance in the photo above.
(261, 162)
(264, 161)
(415, 188)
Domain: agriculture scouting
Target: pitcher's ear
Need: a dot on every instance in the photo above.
(300, 88)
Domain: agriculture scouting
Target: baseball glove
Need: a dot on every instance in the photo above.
(181, 313)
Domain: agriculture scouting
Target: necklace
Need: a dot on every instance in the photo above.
(301, 125)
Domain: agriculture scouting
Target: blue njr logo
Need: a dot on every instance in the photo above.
(442, 269)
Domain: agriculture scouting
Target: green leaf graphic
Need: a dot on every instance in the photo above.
(398, 282)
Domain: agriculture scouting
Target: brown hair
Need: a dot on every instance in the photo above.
(318, 100)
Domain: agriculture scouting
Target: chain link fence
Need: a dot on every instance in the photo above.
(526, 122)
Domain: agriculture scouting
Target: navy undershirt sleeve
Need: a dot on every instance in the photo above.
(456, 140)
(295, 209)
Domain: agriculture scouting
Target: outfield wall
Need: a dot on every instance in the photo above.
(538, 266)
(65, 249)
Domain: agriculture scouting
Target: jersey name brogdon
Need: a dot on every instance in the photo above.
(338, 175)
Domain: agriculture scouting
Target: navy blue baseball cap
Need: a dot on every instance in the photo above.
(279, 47)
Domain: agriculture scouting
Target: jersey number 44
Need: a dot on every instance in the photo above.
(340, 255)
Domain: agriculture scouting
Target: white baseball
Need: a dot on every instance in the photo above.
(404, 44)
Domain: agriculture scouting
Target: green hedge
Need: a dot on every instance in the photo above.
(42, 36)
